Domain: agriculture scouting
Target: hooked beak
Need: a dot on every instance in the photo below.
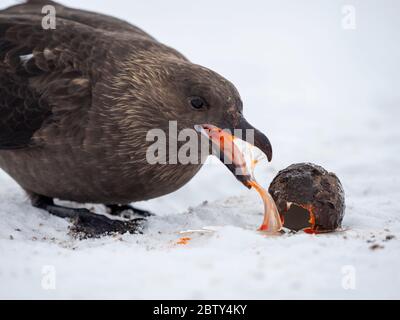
(260, 140)
(228, 152)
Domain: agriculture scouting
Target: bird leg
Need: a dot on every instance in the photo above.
(117, 210)
(86, 223)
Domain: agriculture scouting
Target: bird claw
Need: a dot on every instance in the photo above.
(121, 210)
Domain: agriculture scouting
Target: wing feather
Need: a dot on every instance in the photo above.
(43, 71)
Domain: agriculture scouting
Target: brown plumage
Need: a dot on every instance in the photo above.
(76, 104)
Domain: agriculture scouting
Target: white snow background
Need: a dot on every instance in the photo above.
(322, 94)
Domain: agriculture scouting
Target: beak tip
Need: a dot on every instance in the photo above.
(269, 156)
(260, 140)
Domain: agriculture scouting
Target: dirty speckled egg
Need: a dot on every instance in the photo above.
(308, 198)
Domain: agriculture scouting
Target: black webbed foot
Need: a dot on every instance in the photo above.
(118, 210)
(87, 224)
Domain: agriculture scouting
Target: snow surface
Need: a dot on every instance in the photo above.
(321, 93)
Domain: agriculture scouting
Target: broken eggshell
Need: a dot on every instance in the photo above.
(308, 198)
